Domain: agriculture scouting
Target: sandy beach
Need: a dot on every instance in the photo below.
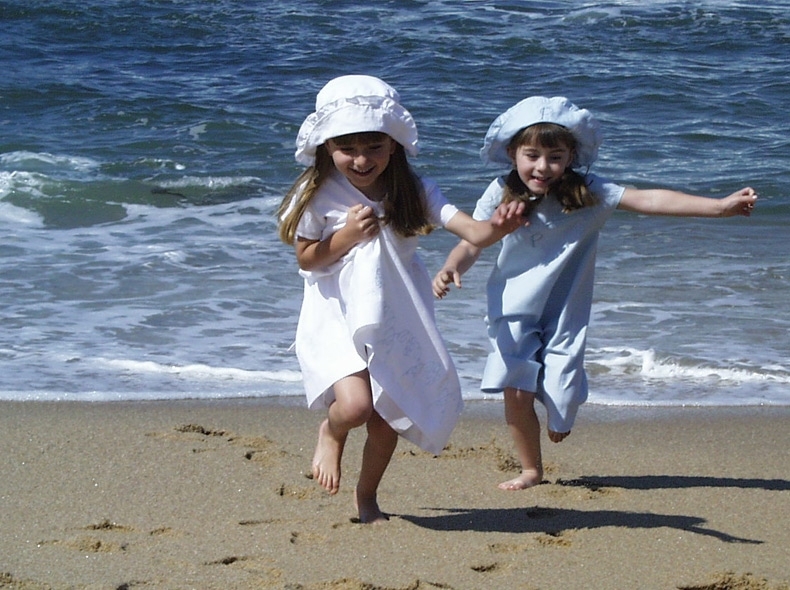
(217, 495)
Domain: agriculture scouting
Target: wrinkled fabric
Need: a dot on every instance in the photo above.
(539, 296)
(374, 309)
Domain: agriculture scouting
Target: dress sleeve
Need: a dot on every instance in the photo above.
(311, 225)
(440, 210)
(607, 191)
(490, 200)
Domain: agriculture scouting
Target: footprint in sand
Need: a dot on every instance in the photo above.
(503, 548)
(94, 544)
(117, 541)
(107, 525)
(486, 567)
(226, 560)
(582, 489)
(260, 566)
(258, 449)
(558, 539)
(733, 581)
(88, 545)
(298, 492)
(299, 538)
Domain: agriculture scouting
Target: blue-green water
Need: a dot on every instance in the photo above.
(145, 145)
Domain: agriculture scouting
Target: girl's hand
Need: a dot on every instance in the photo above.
(507, 216)
(739, 203)
(361, 223)
(443, 279)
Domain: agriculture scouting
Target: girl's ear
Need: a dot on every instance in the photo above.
(511, 153)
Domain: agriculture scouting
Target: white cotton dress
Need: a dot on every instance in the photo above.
(539, 298)
(374, 309)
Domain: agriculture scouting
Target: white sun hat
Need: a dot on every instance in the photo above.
(355, 104)
(539, 109)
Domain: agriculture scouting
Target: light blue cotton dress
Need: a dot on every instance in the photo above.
(539, 300)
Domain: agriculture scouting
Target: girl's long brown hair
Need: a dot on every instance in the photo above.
(571, 189)
(404, 203)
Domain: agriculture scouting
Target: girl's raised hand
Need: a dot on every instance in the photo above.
(508, 217)
(739, 203)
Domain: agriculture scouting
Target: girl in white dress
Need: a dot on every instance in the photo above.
(366, 340)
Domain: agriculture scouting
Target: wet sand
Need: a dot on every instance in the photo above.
(217, 495)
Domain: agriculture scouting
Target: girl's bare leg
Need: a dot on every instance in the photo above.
(376, 456)
(352, 407)
(524, 427)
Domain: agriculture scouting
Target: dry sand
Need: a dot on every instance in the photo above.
(215, 495)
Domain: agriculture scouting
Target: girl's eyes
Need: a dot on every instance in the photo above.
(366, 149)
(551, 157)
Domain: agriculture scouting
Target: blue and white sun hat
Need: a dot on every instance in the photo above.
(355, 104)
(539, 109)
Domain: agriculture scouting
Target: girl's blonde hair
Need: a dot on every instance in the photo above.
(571, 189)
(404, 203)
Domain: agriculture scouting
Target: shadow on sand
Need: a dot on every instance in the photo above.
(557, 520)
(554, 521)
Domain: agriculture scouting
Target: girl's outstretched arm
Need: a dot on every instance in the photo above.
(507, 218)
(669, 202)
(460, 259)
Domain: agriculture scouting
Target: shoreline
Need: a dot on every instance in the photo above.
(474, 407)
(215, 494)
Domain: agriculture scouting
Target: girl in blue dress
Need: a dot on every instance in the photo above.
(540, 291)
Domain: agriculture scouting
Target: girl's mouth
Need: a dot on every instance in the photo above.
(362, 172)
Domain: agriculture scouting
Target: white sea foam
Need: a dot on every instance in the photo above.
(13, 215)
(645, 363)
(212, 182)
(197, 372)
(43, 161)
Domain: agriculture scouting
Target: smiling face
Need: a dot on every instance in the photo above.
(541, 153)
(540, 167)
(362, 158)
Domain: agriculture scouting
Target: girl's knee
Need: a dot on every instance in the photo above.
(353, 399)
(519, 396)
(353, 411)
(358, 412)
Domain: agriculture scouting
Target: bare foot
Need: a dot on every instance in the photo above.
(326, 460)
(368, 509)
(527, 479)
(558, 436)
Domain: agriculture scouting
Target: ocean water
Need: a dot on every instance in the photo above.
(144, 147)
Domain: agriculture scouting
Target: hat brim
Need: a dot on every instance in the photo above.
(537, 109)
(356, 115)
